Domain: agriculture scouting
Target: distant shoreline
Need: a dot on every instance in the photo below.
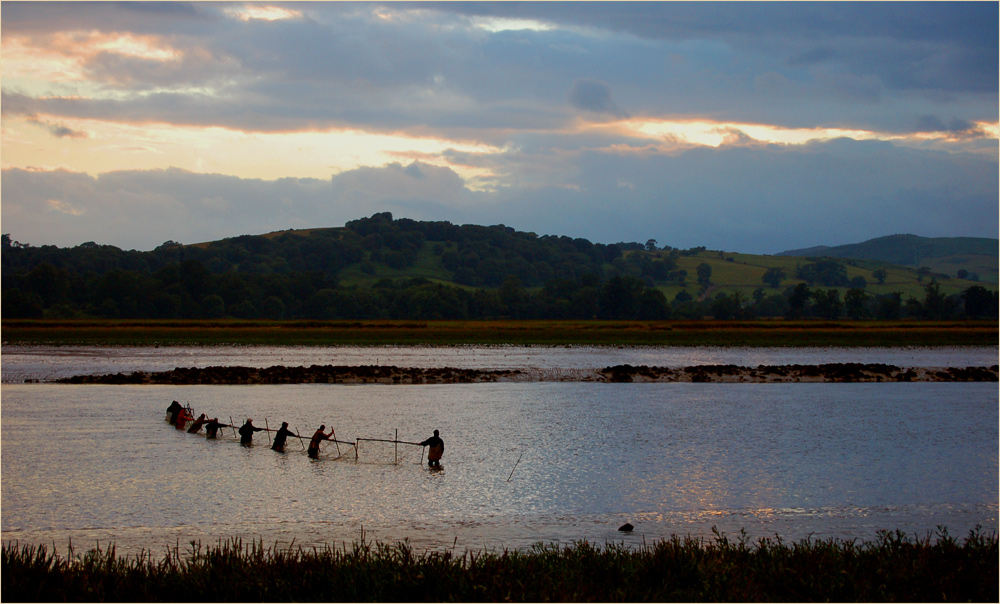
(388, 374)
(758, 333)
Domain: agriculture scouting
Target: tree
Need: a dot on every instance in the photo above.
(651, 245)
(889, 306)
(273, 308)
(723, 307)
(979, 302)
(856, 304)
(704, 274)
(880, 275)
(19, 305)
(653, 305)
(733, 306)
(828, 304)
(514, 297)
(798, 300)
(773, 277)
(936, 304)
(51, 284)
(619, 298)
(213, 307)
(825, 272)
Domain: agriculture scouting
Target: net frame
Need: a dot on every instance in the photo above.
(401, 451)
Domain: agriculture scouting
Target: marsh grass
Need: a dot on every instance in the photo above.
(894, 567)
(442, 333)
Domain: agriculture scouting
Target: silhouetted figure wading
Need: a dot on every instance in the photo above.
(435, 451)
(212, 428)
(281, 436)
(318, 436)
(246, 432)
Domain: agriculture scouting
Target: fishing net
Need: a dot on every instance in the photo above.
(335, 450)
(388, 452)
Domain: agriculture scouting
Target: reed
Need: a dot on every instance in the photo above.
(614, 333)
(893, 567)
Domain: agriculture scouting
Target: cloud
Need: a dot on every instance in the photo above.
(753, 198)
(60, 131)
(594, 97)
(525, 101)
(955, 127)
(404, 66)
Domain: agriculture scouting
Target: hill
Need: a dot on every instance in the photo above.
(384, 268)
(954, 256)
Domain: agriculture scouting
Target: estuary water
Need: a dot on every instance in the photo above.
(43, 363)
(544, 461)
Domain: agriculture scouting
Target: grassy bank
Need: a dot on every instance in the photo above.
(651, 333)
(892, 568)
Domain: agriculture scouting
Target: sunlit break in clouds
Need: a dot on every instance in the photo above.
(753, 127)
(266, 13)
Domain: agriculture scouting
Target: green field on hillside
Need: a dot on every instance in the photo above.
(731, 272)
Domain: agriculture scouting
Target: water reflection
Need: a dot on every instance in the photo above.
(550, 363)
(797, 459)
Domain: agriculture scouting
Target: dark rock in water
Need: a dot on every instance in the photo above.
(626, 528)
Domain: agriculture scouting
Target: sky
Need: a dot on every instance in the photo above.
(746, 127)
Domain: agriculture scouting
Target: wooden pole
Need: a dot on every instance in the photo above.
(334, 433)
(515, 466)
(395, 448)
(267, 429)
(232, 425)
(386, 440)
(300, 439)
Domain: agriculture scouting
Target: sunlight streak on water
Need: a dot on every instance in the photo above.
(843, 460)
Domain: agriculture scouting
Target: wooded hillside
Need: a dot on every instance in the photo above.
(959, 257)
(381, 268)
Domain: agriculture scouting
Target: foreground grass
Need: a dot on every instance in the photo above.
(892, 568)
(615, 333)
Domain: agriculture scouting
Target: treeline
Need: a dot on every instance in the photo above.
(801, 301)
(478, 273)
(468, 254)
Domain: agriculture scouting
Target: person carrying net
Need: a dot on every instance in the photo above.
(318, 436)
(246, 432)
(212, 427)
(435, 451)
(281, 436)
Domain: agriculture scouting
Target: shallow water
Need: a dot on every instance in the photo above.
(99, 463)
(44, 363)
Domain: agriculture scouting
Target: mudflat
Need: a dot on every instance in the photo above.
(388, 374)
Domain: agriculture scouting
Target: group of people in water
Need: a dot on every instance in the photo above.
(181, 416)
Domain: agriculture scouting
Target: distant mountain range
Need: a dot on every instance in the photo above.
(947, 255)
